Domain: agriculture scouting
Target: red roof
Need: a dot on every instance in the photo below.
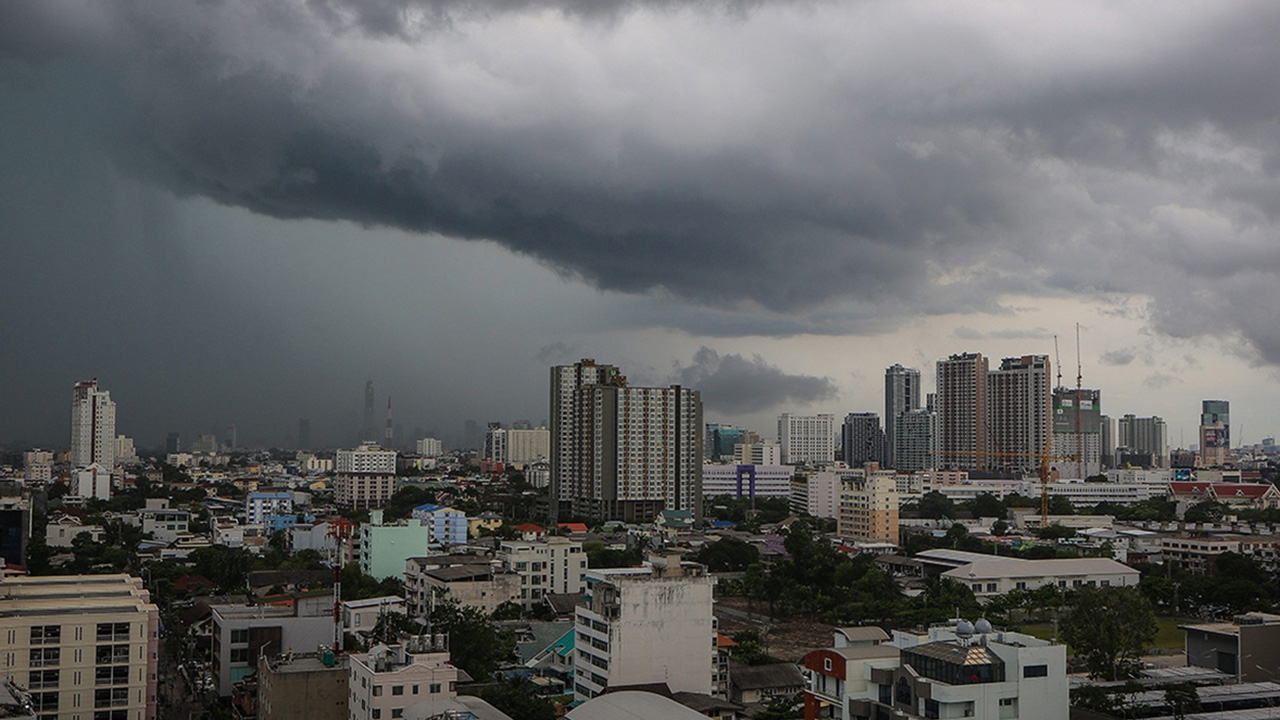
(573, 527)
(529, 527)
(1190, 488)
(1248, 490)
(723, 640)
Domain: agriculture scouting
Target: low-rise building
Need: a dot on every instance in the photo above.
(553, 565)
(241, 633)
(1247, 648)
(164, 523)
(384, 548)
(446, 525)
(303, 686)
(747, 481)
(472, 584)
(868, 505)
(360, 616)
(989, 575)
(412, 679)
(60, 531)
(951, 671)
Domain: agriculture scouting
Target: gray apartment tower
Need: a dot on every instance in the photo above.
(862, 440)
(901, 395)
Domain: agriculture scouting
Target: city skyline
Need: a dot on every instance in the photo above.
(786, 200)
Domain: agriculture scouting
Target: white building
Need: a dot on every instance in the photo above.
(817, 494)
(747, 481)
(989, 575)
(524, 445)
(952, 671)
(413, 680)
(554, 565)
(258, 506)
(645, 625)
(93, 426)
(807, 438)
(366, 477)
(92, 481)
(495, 443)
(124, 450)
(430, 447)
(164, 523)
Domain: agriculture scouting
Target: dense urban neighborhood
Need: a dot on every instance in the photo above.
(630, 557)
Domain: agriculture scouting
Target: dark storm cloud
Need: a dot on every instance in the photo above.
(808, 167)
(731, 383)
(1119, 356)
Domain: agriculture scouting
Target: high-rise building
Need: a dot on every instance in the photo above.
(83, 645)
(1108, 436)
(807, 438)
(961, 402)
(366, 477)
(430, 447)
(93, 426)
(1143, 436)
(566, 454)
(917, 432)
(1018, 417)
(640, 452)
(524, 445)
(495, 443)
(1077, 432)
(229, 438)
(173, 443)
(862, 440)
(722, 440)
(868, 505)
(901, 395)
(1215, 433)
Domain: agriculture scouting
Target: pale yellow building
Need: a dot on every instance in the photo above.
(85, 646)
(868, 505)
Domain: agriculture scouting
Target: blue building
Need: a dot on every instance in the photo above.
(447, 526)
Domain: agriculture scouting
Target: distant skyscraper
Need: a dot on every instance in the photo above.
(173, 443)
(1083, 442)
(1215, 433)
(495, 443)
(901, 394)
(369, 433)
(862, 440)
(1108, 434)
(722, 439)
(807, 438)
(917, 432)
(961, 402)
(229, 438)
(1143, 436)
(1018, 397)
(304, 433)
(93, 426)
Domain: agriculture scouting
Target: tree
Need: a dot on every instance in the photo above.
(1000, 528)
(518, 698)
(1208, 511)
(988, 505)
(475, 643)
(728, 555)
(1182, 698)
(1061, 505)
(937, 506)
(782, 707)
(1109, 627)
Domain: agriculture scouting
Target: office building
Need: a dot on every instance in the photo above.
(1143, 435)
(430, 447)
(1077, 433)
(862, 440)
(646, 625)
(83, 645)
(916, 447)
(1215, 433)
(756, 453)
(961, 402)
(93, 426)
(807, 438)
(901, 395)
(173, 443)
(722, 440)
(15, 529)
(1018, 417)
(624, 453)
(747, 481)
(366, 477)
(568, 455)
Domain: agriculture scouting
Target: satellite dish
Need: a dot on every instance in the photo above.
(964, 629)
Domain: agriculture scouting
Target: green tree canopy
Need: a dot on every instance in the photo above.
(1109, 627)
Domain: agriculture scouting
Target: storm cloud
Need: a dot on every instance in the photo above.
(731, 383)
(753, 168)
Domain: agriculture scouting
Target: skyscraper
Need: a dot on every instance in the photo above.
(807, 438)
(620, 452)
(93, 426)
(1215, 433)
(1143, 436)
(1018, 397)
(901, 394)
(862, 440)
(917, 434)
(566, 455)
(961, 402)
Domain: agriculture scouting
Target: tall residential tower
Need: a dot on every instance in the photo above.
(93, 426)
(901, 395)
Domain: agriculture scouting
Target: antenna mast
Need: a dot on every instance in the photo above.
(1079, 395)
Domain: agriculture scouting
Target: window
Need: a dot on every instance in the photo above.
(240, 636)
(377, 690)
(110, 697)
(117, 675)
(1031, 671)
(397, 712)
(44, 657)
(111, 715)
(42, 702)
(113, 631)
(415, 689)
(377, 713)
(397, 689)
(902, 691)
(886, 693)
(46, 634)
(434, 688)
(37, 679)
(111, 655)
(239, 655)
(991, 587)
(826, 663)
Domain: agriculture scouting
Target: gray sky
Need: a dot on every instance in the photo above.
(239, 212)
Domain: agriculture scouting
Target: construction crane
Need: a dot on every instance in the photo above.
(1079, 397)
(1044, 456)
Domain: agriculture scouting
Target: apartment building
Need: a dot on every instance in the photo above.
(242, 633)
(412, 679)
(646, 625)
(550, 566)
(868, 505)
(85, 646)
(366, 477)
(807, 438)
